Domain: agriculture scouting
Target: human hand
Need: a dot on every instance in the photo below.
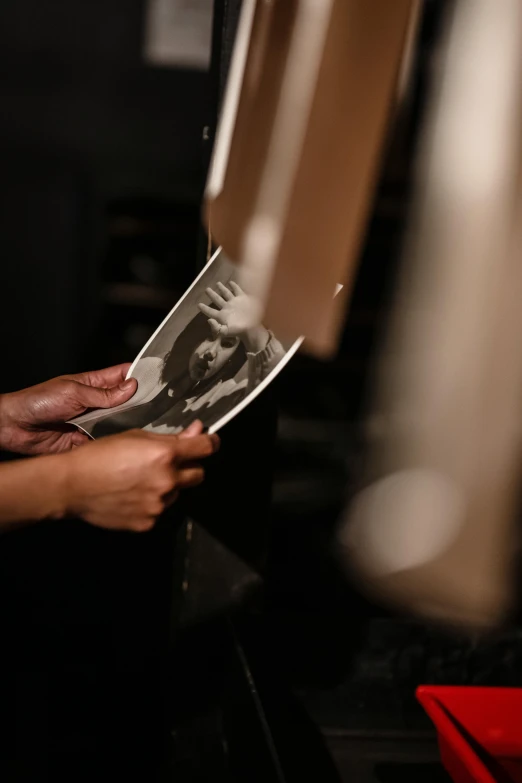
(124, 482)
(237, 313)
(32, 421)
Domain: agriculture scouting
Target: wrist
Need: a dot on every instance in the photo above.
(255, 340)
(65, 484)
(56, 478)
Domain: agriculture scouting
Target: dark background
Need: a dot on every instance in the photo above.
(103, 162)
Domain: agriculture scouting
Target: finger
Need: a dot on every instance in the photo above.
(215, 326)
(103, 379)
(79, 438)
(211, 313)
(198, 447)
(170, 498)
(184, 449)
(196, 428)
(142, 525)
(216, 298)
(235, 288)
(99, 397)
(228, 295)
(190, 477)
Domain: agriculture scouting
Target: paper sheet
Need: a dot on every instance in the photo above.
(194, 366)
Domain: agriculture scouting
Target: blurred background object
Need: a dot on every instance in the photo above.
(296, 158)
(178, 33)
(435, 528)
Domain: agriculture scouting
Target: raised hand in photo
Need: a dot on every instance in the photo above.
(235, 314)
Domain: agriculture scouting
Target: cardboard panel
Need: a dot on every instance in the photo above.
(317, 91)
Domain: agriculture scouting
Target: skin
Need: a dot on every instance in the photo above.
(32, 421)
(123, 482)
(211, 356)
(234, 318)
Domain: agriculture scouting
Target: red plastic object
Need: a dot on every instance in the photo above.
(479, 730)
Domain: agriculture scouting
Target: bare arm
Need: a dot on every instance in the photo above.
(32, 490)
(122, 482)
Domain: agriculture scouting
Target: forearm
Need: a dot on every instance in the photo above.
(33, 490)
(262, 362)
(256, 339)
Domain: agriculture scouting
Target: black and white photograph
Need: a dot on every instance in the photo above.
(209, 358)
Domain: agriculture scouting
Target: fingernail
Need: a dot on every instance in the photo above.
(216, 441)
(127, 385)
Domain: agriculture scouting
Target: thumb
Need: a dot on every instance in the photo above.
(195, 428)
(95, 397)
(215, 327)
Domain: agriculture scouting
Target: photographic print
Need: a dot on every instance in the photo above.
(209, 358)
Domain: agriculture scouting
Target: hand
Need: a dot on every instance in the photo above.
(237, 313)
(32, 421)
(124, 482)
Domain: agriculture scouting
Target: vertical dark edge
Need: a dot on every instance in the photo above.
(215, 86)
(216, 81)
